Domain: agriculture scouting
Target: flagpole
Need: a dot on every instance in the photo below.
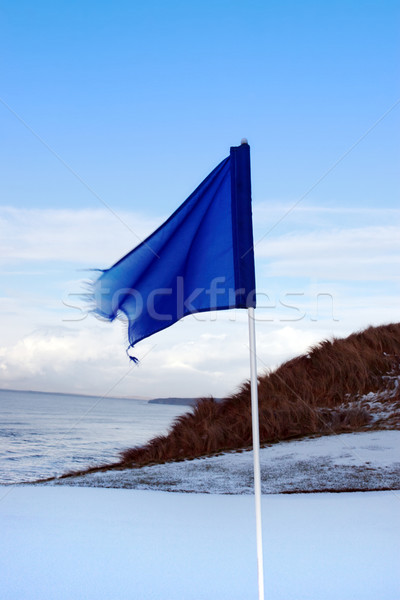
(256, 449)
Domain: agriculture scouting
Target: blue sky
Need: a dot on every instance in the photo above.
(111, 114)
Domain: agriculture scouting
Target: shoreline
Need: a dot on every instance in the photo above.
(351, 462)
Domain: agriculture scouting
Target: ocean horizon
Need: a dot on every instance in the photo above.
(46, 434)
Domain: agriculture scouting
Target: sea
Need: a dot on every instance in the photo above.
(45, 435)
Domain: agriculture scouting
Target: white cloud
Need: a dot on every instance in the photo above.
(94, 237)
(45, 345)
(369, 254)
(189, 359)
(284, 215)
(195, 357)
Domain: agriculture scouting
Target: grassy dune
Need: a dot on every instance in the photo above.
(342, 385)
(339, 386)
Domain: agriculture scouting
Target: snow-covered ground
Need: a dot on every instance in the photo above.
(63, 543)
(70, 539)
(356, 461)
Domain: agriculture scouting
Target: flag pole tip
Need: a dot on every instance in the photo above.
(243, 141)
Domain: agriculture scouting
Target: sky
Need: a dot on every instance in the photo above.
(112, 113)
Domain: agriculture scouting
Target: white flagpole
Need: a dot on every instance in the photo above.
(256, 449)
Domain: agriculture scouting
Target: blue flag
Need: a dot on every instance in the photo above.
(200, 259)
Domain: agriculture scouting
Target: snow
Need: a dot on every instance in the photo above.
(367, 460)
(78, 538)
(64, 542)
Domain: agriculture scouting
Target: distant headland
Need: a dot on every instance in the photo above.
(182, 401)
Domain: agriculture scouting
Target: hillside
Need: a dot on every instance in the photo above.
(339, 386)
(342, 385)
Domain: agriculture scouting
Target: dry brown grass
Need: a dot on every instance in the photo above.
(314, 393)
